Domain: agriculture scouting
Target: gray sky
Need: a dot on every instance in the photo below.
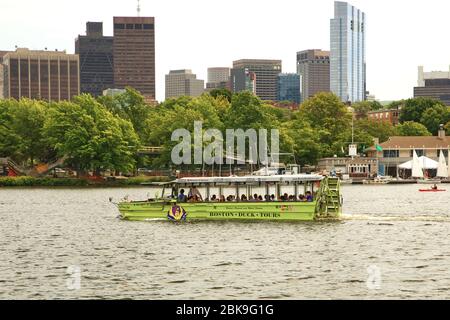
(199, 34)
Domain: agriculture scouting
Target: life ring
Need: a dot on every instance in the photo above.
(177, 213)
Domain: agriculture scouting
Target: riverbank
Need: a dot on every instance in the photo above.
(77, 182)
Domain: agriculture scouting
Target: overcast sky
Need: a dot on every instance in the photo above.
(198, 34)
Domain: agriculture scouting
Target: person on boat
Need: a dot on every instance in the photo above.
(194, 192)
(260, 198)
(302, 198)
(222, 198)
(309, 197)
(272, 198)
(213, 198)
(182, 197)
(435, 187)
(255, 197)
(244, 198)
(267, 198)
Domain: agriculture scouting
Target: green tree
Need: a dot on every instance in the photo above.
(248, 111)
(331, 121)
(364, 107)
(91, 136)
(222, 92)
(376, 129)
(297, 137)
(434, 116)
(412, 129)
(21, 123)
(131, 106)
(413, 109)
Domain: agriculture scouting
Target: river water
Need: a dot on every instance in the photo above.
(393, 242)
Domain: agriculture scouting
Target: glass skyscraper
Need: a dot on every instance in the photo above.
(348, 53)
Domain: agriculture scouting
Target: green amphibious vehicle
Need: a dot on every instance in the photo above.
(311, 198)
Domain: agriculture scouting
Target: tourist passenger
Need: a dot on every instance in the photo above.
(222, 198)
(260, 198)
(267, 198)
(309, 197)
(272, 198)
(285, 197)
(182, 197)
(194, 192)
(302, 198)
(243, 198)
(213, 198)
(255, 196)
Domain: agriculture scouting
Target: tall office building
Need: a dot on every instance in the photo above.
(288, 87)
(134, 54)
(48, 75)
(348, 53)
(313, 66)
(266, 72)
(183, 83)
(217, 75)
(218, 78)
(434, 85)
(2, 75)
(96, 60)
(242, 80)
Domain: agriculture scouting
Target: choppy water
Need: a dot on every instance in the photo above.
(394, 242)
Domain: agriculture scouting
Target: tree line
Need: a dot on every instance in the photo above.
(105, 133)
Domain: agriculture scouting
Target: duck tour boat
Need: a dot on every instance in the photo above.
(314, 198)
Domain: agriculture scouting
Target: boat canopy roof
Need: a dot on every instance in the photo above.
(251, 179)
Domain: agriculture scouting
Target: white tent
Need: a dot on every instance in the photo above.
(424, 163)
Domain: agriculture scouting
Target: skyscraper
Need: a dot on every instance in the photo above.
(288, 87)
(134, 54)
(47, 75)
(2, 75)
(266, 72)
(96, 60)
(348, 53)
(242, 80)
(313, 66)
(218, 78)
(183, 83)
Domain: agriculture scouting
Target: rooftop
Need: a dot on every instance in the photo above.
(415, 143)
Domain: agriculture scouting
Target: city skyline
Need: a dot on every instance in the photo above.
(202, 34)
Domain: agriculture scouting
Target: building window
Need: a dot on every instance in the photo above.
(119, 26)
(420, 152)
(445, 152)
(130, 26)
(148, 26)
(391, 153)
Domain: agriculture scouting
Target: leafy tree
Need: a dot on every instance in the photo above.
(21, 122)
(413, 109)
(248, 111)
(434, 116)
(413, 129)
(223, 92)
(330, 119)
(376, 129)
(131, 106)
(364, 107)
(297, 137)
(90, 136)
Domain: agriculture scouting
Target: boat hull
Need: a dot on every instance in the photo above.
(257, 211)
